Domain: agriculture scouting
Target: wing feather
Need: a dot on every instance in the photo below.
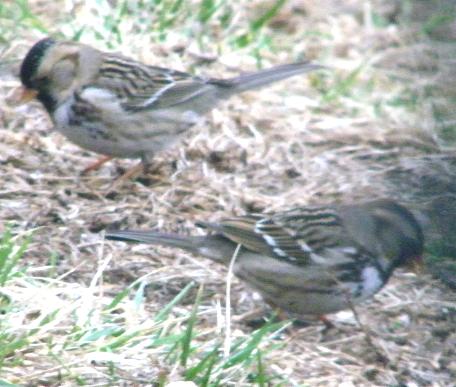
(261, 235)
(142, 87)
(302, 236)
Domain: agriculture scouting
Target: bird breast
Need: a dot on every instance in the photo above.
(94, 119)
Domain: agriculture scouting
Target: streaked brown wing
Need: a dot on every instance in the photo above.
(165, 96)
(142, 87)
(318, 228)
(263, 236)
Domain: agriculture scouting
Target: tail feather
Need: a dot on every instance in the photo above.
(261, 78)
(215, 247)
(156, 238)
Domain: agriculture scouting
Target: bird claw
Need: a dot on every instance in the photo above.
(95, 165)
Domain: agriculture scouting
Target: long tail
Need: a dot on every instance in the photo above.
(264, 77)
(156, 238)
(215, 247)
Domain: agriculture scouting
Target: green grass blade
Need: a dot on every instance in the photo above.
(343, 86)
(165, 311)
(4, 383)
(11, 251)
(268, 15)
(252, 344)
(189, 331)
(261, 377)
(206, 362)
(207, 375)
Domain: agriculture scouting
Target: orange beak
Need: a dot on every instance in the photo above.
(23, 95)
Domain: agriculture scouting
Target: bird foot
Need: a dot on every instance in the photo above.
(328, 323)
(128, 175)
(95, 165)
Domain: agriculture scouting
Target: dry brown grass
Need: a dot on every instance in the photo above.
(267, 150)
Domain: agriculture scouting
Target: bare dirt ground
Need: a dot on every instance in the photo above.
(264, 150)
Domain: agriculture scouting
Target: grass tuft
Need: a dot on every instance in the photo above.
(84, 325)
(12, 250)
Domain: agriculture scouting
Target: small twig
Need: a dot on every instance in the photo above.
(102, 264)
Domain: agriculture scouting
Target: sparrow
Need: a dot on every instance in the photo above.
(119, 107)
(308, 261)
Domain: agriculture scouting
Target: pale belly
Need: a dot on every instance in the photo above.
(117, 134)
(302, 290)
(315, 304)
(91, 138)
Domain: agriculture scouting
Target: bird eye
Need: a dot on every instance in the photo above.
(41, 80)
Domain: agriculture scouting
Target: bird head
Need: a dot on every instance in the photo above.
(400, 235)
(52, 69)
